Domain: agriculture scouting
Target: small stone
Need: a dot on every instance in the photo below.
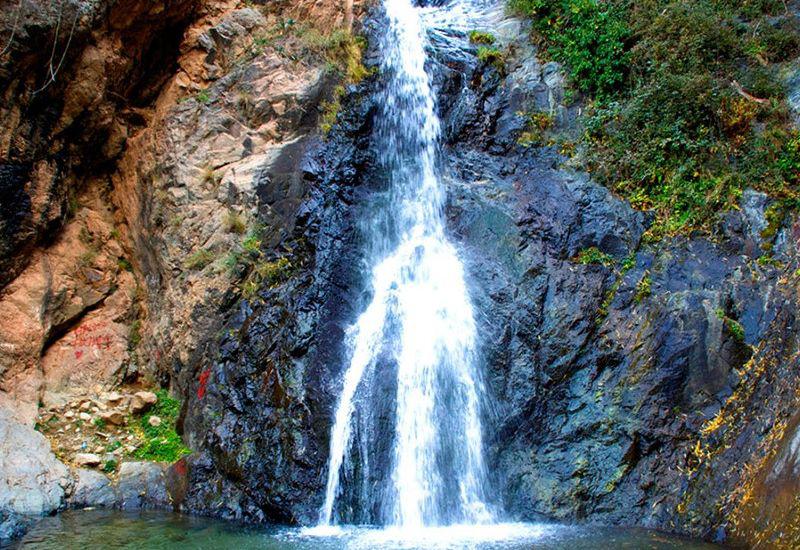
(86, 405)
(85, 416)
(113, 417)
(154, 421)
(87, 459)
(69, 414)
(142, 401)
(112, 397)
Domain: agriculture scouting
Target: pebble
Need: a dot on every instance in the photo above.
(85, 416)
(154, 421)
(87, 459)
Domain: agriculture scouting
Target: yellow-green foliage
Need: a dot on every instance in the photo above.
(481, 37)
(492, 56)
(330, 110)
(594, 255)
(198, 259)
(643, 289)
(686, 102)
(536, 126)
(234, 223)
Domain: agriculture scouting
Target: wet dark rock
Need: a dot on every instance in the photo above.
(599, 377)
(92, 489)
(142, 485)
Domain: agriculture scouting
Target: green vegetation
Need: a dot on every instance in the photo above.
(481, 37)
(586, 35)
(330, 109)
(492, 56)
(594, 255)
(643, 288)
(734, 327)
(536, 126)
(203, 97)
(124, 265)
(685, 105)
(199, 259)
(110, 466)
(234, 223)
(161, 443)
(135, 334)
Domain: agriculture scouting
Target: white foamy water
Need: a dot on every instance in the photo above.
(419, 327)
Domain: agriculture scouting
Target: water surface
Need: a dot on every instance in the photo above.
(157, 530)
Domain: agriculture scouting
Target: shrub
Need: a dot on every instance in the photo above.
(161, 443)
(684, 109)
(492, 56)
(643, 289)
(594, 255)
(199, 259)
(481, 37)
(537, 124)
(588, 36)
(234, 223)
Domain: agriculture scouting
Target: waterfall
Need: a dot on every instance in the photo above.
(418, 327)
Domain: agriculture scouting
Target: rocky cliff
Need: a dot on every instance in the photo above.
(184, 184)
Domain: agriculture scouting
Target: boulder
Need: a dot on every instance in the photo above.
(32, 480)
(142, 485)
(92, 489)
(142, 401)
(113, 417)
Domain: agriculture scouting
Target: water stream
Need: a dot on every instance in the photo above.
(418, 328)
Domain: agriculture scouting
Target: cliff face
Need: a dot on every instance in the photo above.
(173, 215)
(143, 148)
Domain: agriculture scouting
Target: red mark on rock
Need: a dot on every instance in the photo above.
(78, 354)
(201, 390)
(180, 467)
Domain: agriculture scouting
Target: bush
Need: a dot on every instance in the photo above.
(588, 36)
(199, 259)
(684, 110)
(481, 37)
(161, 443)
(492, 56)
(594, 255)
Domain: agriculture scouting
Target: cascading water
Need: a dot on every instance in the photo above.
(419, 325)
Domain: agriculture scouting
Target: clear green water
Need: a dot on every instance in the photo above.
(85, 530)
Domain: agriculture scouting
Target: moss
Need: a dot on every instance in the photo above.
(536, 126)
(481, 37)
(643, 289)
(161, 443)
(492, 56)
(594, 255)
(110, 466)
(199, 259)
(203, 96)
(135, 334)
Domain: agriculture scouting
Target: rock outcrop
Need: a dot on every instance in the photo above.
(172, 214)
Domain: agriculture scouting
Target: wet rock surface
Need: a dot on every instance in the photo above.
(600, 377)
(656, 388)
